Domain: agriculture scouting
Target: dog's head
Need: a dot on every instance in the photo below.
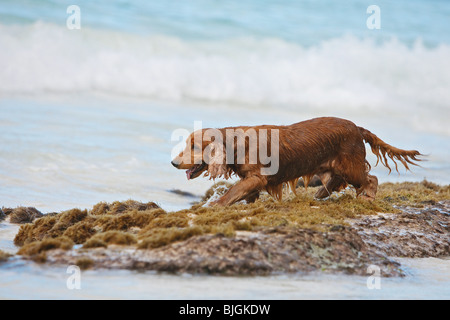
(204, 153)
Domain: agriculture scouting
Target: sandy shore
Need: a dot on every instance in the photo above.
(339, 235)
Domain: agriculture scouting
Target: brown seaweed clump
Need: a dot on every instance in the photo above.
(36, 250)
(161, 237)
(36, 231)
(94, 243)
(4, 256)
(81, 225)
(84, 263)
(118, 207)
(114, 237)
(80, 232)
(52, 226)
(24, 215)
(413, 194)
(7, 211)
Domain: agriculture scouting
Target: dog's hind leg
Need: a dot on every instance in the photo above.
(244, 189)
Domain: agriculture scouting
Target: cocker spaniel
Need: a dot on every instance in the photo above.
(266, 157)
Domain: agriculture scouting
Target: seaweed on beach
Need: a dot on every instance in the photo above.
(7, 211)
(412, 193)
(115, 237)
(36, 250)
(4, 256)
(147, 226)
(36, 231)
(80, 232)
(50, 226)
(21, 215)
(94, 242)
(118, 207)
(84, 263)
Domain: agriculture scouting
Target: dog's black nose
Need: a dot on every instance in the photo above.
(174, 164)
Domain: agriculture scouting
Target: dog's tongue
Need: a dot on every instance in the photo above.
(188, 174)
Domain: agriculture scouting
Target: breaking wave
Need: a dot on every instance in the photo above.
(344, 72)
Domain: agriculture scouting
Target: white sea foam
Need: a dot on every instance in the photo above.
(346, 73)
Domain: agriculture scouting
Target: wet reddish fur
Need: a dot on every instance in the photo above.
(331, 148)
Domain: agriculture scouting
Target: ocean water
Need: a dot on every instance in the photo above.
(87, 115)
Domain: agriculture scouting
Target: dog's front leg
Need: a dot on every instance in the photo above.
(241, 190)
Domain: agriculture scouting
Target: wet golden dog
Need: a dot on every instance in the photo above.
(331, 148)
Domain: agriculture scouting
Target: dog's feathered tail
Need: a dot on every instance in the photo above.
(381, 149)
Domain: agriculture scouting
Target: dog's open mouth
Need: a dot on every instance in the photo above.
(195, 171)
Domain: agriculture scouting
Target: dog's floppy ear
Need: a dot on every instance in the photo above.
(215, 156)
(217, 163)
